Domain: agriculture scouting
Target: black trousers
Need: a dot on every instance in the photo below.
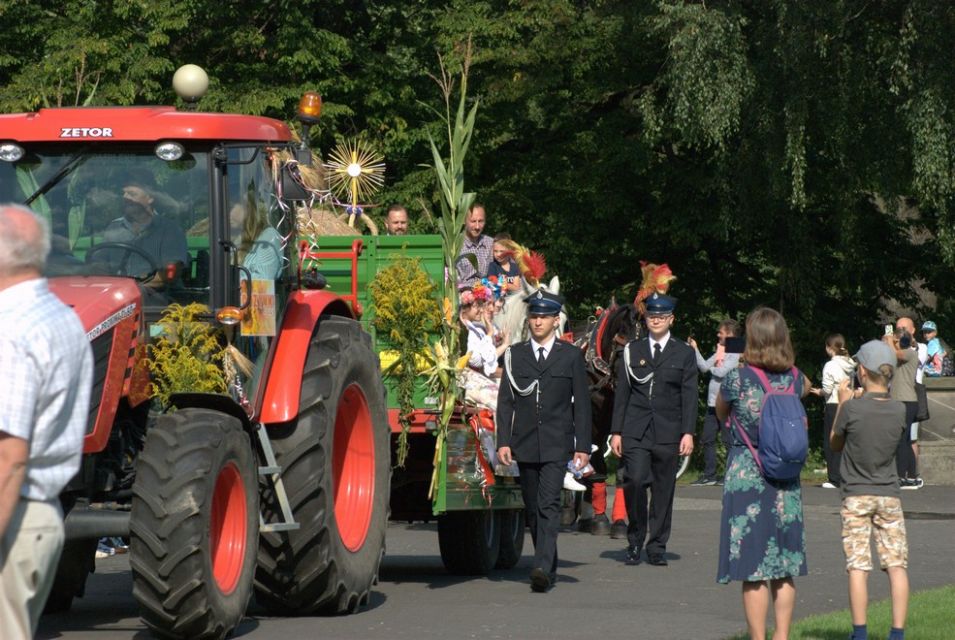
(833, 458)
(656, 463)
(711, 430)
(904, 456)
(541, 483)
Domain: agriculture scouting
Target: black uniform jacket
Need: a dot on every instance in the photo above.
(545, 433)
(668, 399)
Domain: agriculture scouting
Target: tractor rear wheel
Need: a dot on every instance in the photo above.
(469, 541)
(336, 467)
(194, 525)
(511, 526)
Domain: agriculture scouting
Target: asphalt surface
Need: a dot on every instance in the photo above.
(596, 595)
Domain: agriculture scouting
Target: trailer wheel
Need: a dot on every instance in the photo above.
(336, 466)
(194, 525)
(469, 541)
(77, 561)
(510, 525)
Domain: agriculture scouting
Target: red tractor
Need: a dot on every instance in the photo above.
(279, 483)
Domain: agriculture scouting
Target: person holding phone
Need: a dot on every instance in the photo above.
(717, 365)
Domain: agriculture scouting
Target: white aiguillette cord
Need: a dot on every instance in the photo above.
(533, 387)
(626, 363)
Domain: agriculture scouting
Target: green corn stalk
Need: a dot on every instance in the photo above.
(455, 202)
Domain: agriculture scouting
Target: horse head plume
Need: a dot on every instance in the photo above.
(656, 279)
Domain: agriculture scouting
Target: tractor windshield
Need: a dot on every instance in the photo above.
(119, 210)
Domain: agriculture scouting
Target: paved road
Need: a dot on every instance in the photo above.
(596, 593)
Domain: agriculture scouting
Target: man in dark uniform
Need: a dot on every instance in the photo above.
(543, 418)
(654, 418)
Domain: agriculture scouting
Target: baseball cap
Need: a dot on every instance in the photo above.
(874, 354)
(928, 325)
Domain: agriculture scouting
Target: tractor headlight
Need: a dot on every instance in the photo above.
(10, 152)
(169, 151)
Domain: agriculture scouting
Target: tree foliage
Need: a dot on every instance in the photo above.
(797, 154)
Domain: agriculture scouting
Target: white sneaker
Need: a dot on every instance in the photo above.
(571, 484)
(829, 485)
(104, 551)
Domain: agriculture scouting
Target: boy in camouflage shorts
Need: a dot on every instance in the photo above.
(867, 430)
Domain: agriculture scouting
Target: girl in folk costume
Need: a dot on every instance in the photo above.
(485, 345)
(656, 279)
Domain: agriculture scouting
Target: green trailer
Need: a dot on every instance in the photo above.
(480, 515)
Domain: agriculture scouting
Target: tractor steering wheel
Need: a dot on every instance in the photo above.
(128, 250)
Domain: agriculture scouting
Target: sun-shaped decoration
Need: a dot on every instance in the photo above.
(355, 172)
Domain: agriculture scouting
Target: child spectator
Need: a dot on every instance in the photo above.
(936, 352)
(867, 431)
(504, 267)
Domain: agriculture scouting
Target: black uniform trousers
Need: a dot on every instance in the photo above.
(541, 483)
(645, 460)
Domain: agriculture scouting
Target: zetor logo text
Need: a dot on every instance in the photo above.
(86, 132)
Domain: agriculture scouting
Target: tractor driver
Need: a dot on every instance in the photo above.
(142, 227)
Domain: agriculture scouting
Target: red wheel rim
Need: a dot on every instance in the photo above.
(353, 468)
(227, 529)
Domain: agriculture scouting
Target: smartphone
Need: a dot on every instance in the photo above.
(889, 330)
(735, 344)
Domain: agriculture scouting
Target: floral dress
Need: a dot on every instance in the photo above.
(761, 529)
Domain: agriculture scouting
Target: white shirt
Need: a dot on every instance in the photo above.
(46, 370)
(662, 342)
(481, 347)
(535, 345)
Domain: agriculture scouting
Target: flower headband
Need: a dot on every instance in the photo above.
(478, 293)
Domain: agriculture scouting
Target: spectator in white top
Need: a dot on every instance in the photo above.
(717, 365)
(840, 367)
(46, 368)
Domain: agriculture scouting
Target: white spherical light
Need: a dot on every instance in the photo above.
(190, 82)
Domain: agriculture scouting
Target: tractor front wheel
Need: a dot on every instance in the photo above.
(336, 467)
(194, 525)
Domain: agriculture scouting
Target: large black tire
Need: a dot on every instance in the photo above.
(469, 542)
(510, 526)
(77, 561)
(336, 466)
(194, 525)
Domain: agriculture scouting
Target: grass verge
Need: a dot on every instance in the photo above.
(931, 617)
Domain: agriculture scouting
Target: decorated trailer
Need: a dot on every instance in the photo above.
(479, 514)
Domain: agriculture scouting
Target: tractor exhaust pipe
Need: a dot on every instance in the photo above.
(85, 523)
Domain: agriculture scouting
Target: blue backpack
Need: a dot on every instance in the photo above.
(783, 442)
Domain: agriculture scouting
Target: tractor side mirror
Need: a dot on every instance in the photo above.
(292, 189)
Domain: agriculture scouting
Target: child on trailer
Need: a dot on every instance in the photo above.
(866, 431)
(504, 267)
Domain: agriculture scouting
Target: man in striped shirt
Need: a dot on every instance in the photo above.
(46, 369)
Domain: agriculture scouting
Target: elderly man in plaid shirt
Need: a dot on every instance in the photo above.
(46, 369)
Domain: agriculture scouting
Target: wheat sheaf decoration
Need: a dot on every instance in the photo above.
(355, 171)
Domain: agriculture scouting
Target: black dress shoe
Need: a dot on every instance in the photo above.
(657, 560)
(633, 556)
(540, 581)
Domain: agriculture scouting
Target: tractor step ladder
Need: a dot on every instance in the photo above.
(273, 472)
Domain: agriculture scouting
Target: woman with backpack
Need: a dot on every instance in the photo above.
(762, 543)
